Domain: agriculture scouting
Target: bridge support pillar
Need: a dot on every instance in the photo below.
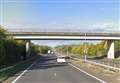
(28, 48)
(110, 53)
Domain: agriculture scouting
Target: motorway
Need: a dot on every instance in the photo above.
(47, 70)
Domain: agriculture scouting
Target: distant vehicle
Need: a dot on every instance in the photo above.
(52, 52)
(49, 51)
(61, 59)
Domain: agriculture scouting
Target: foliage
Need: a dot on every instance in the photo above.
(42, 49)
(117, 45)
(10, 50)
(90, 49)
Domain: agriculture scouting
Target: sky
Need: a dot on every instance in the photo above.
(61, 15)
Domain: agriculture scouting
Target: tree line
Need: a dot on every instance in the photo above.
(13, 51)
(89, 49)
(42, 49)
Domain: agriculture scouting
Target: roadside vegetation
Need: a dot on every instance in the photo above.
(13, 57)
(12, 70)
(11, 51)
(42, 49)
(89, 49)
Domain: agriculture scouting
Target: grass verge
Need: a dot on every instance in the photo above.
(15, 69)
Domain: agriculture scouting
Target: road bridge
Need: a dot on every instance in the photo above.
(109, 37)
(65, 36)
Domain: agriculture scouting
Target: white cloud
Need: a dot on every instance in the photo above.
(104, 25)
(69, 27)
(108, 26)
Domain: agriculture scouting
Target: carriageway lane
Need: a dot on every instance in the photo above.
(47, 70)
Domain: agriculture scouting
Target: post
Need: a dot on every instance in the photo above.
(67, 50)
(85, 49)
(110, 53)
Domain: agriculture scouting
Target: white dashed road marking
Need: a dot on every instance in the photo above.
(54, 74)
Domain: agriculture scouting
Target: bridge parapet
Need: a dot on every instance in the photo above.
(66, 34)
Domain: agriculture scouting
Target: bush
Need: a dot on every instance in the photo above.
(10, 49)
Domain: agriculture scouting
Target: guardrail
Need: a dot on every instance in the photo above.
(111, 64)
(95, 63)
(10, 67)
(7, 68)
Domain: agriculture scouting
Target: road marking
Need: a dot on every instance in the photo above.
(14, 81)
(87, 73)
(99, 64)
(54, 74)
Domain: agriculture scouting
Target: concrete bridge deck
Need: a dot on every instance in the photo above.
(65, 36)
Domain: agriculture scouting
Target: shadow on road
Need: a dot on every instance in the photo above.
(46, 62)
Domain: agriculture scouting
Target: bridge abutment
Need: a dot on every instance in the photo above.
(111, 49)
(28, 46)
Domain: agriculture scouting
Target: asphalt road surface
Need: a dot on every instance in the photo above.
(47, 70)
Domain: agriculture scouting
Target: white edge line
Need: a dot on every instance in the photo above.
(87, 73)
(14, 81)
(99, 64)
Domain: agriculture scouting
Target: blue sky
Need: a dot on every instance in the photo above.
(61, 15)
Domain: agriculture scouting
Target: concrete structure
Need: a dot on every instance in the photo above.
(110, 37)
(110, 53)
(28, 46)
(65, 36)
